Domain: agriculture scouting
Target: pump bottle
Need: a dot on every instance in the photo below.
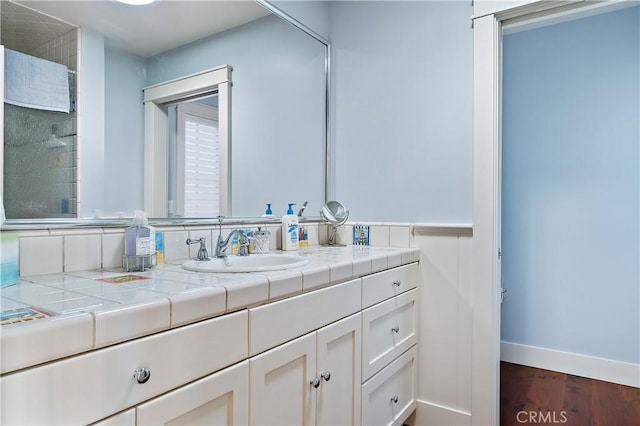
(290, 230)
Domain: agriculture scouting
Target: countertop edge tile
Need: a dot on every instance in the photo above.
(25, 345)
(379, 263)
(340, 271)
(394, 259)
(314, 277)
(243, 294)
(361, 267)
(196, 305)
(284, 285)
(127, 322)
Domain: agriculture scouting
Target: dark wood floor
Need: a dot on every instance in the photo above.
(533, 396)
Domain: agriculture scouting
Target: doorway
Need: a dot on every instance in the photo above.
(570, 188)
(487, 191)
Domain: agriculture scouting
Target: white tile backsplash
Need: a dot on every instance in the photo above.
(175, 247)
(400, 236)
(112, 250)
(40, 255)
(82, 252)
(379, 236)
(80, 249)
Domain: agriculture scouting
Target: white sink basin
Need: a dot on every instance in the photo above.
(251, 263)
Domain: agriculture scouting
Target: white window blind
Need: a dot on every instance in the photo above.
(201, 188)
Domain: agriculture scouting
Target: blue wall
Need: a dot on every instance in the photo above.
(403, 109)
(125, 76)
(570, 224)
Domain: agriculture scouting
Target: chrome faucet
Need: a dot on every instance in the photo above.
(223, 243)
(203, 254)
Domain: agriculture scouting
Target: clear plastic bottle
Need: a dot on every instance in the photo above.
(139, 244)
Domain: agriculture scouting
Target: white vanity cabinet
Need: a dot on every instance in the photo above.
(343, 354)
(312, 380)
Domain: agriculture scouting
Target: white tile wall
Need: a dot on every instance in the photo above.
(112, 249)
(77, 249)
(40, 255)
(82, 252)
(400, 236)
(63, 50)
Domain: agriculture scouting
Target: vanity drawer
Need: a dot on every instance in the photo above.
(383, 285)
(89, 387)
(279, 322)
(388, 329)
(389, 397)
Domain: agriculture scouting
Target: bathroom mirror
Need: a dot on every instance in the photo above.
(278, 137)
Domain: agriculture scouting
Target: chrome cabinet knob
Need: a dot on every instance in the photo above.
(315, 382)
(326, 375)
(395, 329)
(142, 375)
(394, 399)
(397, 283)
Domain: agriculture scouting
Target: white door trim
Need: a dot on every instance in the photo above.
(488, 27)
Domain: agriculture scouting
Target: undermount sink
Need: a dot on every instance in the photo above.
(252, 263)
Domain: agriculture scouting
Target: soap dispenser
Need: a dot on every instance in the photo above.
(290, 229)
(139, 244)
(268, 212)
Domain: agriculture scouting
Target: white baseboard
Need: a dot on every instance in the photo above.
(565, 362)
(429, 414)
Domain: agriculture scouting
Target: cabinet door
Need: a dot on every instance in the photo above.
(218, 399)
(339, 369)
(280, 389)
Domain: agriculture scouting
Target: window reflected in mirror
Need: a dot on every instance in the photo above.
(194, 158)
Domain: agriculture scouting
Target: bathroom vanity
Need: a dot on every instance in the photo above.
(332, 342)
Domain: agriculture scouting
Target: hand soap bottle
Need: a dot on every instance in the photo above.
(290, 230)
(139, 244)
(268, 212)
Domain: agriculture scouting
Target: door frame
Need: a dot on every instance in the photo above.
(488, 22)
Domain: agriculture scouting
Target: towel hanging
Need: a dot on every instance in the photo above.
(36, 83)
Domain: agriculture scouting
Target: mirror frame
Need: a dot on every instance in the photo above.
(48, 223)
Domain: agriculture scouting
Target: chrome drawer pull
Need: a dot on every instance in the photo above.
(394, 399)
(397, 283)
(326, 375)
(395, 329)
(142, 375)
(315, 382)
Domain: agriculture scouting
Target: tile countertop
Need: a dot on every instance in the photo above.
(49, 317)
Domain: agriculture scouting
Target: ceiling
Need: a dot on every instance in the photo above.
(142, 30)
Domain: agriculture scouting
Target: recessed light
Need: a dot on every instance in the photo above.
(136, 2)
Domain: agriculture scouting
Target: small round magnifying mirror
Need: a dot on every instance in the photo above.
(334, 214)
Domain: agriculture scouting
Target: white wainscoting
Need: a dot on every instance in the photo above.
(445, 324)
(571, 363)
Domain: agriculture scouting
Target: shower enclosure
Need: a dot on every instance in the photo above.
(40, 149)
